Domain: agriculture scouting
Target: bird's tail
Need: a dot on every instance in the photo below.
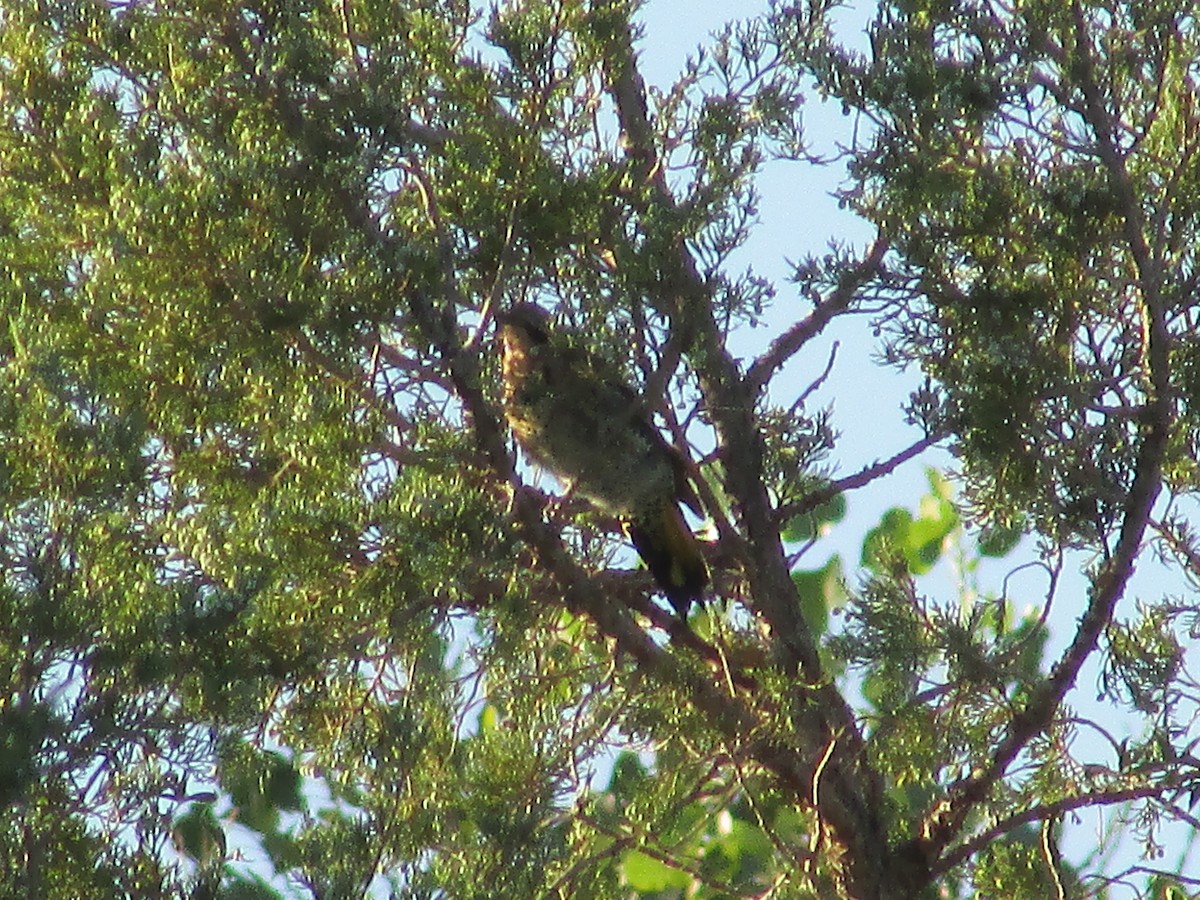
(672, 554)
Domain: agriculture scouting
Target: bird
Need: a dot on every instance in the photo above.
(573, 414)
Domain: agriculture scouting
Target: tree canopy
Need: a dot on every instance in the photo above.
(283, 612)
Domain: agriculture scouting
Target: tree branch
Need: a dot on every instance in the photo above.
(831, 770)
(1039, 813)
(947, 819)
(791, 341)
(859, 479)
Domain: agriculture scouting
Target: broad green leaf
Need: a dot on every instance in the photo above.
(998, 541)
(649, 875)
(820, 590)
(887, 539)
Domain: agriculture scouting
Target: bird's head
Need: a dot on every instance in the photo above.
(524, 326)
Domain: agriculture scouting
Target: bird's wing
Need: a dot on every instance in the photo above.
(640, 415)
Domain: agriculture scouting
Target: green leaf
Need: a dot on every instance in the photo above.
(820, 590)
(886, 539)
(918, 541)
(650, 876)
(199, 835)
(282, 849)
(877, 689)
(936, 519)
(1029, 639)
(628, 777)
(243, 886)
(924, 542)
(999, 540)
(23, 728)
(260, 785)
(939, 485)
(489, 718)
(746, 840)
(283, 785)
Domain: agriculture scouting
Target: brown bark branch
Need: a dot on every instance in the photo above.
(793, 340)
(828, 768)
(859, 479)
(1039, 813)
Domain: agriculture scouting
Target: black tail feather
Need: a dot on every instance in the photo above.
(672, 554)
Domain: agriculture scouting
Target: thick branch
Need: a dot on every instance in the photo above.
(848, 793)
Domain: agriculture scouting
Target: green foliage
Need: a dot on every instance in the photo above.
(897, 638)
(242, 887)
(820, 590)
(23, 730)
(817, 522)
(1021, 864)
(916, 540)
(704, 846)
(1006, 232)
(998, 541)
(199, 835)
(647, 875)
(266, 561)
(259, 785)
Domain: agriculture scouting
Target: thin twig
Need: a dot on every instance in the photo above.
(859, 479)
(791, 341)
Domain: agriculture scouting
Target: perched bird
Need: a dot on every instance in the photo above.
(577, 417)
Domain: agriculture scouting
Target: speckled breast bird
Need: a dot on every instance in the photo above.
(578, 418)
